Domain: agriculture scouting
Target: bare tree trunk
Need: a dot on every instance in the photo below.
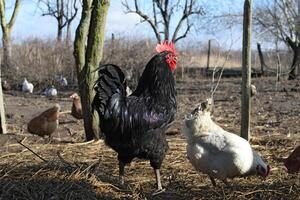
(59, 33)
(91, 28)
(295, 47)
(296, 58)
(60, 18)
(94, 55)
(68, 36)
(246, 71)
(295, 64)
(6, 41)
(6, 30)
(71, 13)
(261, 59)
(79, 54)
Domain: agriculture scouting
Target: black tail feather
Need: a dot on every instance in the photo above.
(111, 81)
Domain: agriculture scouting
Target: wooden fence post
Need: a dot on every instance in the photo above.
(2, 111)
(246, 71)
(208, 56)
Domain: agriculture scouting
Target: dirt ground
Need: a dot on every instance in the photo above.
(70, 168)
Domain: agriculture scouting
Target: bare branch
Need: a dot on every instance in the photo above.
(70, 17)
(187, 12)
(145, 17)
(188, 27)
(64, 11)
(165, 16)
(8, 26)
(154, 14)
(291, 43)
(2, 12)
(162, 12)
(14, 15)
(278, 19)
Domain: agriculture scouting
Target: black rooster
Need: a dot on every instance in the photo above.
(134, 126)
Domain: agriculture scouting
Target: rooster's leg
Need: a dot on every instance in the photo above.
(213, 181)
(159, 187)
(121, 172)
(157, 176)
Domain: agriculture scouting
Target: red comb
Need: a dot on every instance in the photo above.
(166, 46)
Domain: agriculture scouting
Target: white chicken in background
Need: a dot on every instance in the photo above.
(216, 152)
(5, 85)
(50, 91)
(62, 80)
(26, 86)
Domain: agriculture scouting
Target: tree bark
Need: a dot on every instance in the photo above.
(6, 41)
(296, 58)
(246, 71)
(295, 64)
(71, 12)
(6, 31)
(79, 54)
(68, 36)
(94, 55)
(295, 47)
(91, 28)
(261, 59)
(59, 33)
(60, 19)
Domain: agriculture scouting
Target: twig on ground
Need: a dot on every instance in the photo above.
(92, 166)
(66, 162)
(20, 142)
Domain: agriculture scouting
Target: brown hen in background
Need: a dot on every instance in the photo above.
(46, 123)
(76, 106)
(292, 163)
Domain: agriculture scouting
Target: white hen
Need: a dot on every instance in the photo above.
(62, 81)
(50, 91)
(26, 86)
(216, 152)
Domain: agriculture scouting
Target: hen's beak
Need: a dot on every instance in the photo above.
(196, 110)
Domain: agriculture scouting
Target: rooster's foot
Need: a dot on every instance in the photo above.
(158, 191)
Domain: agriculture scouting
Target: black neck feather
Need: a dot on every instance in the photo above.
(157, 80)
